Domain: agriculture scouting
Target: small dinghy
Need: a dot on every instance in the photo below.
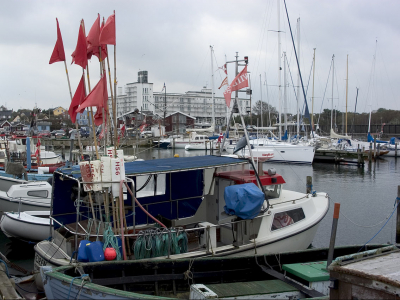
(32, 226)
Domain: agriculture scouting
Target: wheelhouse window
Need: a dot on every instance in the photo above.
(40, 194)
(150, 185)
(287, 218)
(273, 191)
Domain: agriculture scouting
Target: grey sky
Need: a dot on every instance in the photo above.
(171, 39)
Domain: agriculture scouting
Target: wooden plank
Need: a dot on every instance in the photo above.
(7, 290)
(309, 292)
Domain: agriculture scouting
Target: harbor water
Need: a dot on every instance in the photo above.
(366, 195)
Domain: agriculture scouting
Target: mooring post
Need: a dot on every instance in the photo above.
(173, 146)
(395, 150)
(398, 216)
(63, 151)
(71, 147)
(359, 160)
(379, 150)
(370, 152)
(260, 170)
(309, 185)
(333, 233)
(375, 147)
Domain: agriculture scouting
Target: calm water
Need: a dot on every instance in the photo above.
(366, 195)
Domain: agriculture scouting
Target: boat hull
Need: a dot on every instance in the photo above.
(27, 226)
(62, 283)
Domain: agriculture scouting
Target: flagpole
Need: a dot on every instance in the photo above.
(115, 89)
(91, 109)
(76, 121)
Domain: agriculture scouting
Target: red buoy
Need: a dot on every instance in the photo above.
(110, 253)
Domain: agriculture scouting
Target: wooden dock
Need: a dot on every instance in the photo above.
(7, 288)
(340, 156)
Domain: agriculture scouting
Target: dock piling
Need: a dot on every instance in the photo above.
(309, 185)
(395, 150)
(374, 147)
(333, 233)
(370, 153)
(398, 216)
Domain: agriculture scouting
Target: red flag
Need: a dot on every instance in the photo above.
(224, 82)
(107, 34)
(97, 97)
(240, 81)
(223, 68)
(78, 98)
(93, 37)
(37, 148)
(98, 117)
(122, 132)
(79, 56)
(227, 96)
(143, 124)
(58, 52)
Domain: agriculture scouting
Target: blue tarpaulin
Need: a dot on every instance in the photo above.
(243, 200)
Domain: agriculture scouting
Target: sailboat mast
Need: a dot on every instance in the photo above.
(333, 76)
(279, 70)
(347, 87)
(298, 80)
(284, 91)
(312, 103)
(261, 103)
(212, 89)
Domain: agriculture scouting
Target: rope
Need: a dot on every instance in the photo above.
(383, 224)
(110, 240)
(156, 242)
(188, 274)
(83, 277)
(8, 274)
(359, 225)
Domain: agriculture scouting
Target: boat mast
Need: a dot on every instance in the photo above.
(279, 71)
(347, 87)
(333, 76)
(284, 91)
(298, 80)
(261, 103)
(312, 102)
(268, 107)
(212, 89)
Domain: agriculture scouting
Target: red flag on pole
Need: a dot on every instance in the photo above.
(93, 38)
(98, 117)
(240, 81)
(78, 98)
(107, 34)
(122, 132)
(58, 52)
(97, 97)
(79, 56)
(224, 82)
(143, 124)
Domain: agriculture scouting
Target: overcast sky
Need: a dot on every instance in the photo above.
(171, 40)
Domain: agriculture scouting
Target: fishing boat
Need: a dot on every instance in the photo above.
(195, 198)
(288, 275)
(30, 226)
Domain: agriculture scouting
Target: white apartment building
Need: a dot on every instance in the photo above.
(140, 95)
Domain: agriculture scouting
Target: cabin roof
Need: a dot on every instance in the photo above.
(168, 165)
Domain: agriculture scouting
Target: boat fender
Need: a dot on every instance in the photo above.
(110, 253)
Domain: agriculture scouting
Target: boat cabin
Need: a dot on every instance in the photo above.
(209, 203)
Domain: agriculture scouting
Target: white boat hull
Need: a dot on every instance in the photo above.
(297, 154)
(28, 226)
